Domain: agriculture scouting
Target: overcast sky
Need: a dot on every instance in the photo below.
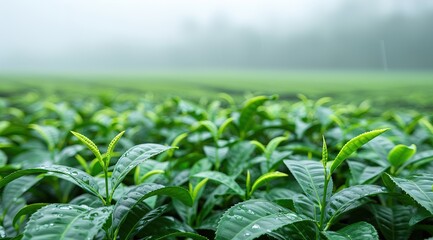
(35, 29)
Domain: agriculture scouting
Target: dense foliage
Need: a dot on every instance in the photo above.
(101, 168)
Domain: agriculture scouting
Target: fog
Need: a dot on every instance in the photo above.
(132, 35)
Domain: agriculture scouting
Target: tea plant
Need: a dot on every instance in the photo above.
(262, 169)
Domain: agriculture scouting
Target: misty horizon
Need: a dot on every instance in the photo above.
(283, 35)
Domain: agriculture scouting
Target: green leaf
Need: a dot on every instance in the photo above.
(111, 147)
(249, 110)
(355, 231)
(252, 219)
(167, 228)
(348, 199)
(393, 222)
(419, 187)
(131, 158)
(135, 223)
(259, 145)
(264, 178)
(198, 187)
(73, 175)
(91, 145)
(353, 145)
(222, 179)
(65, 221)
(400, 154)
(16, 188)
(149, 174)
(273, 144)
(238, 156)
(419, 159)
(310, 176)
(51, 135)
(324, 152)
(211, 127)
(27, 210)
(362, 173)
(127, 205)
(224, 126)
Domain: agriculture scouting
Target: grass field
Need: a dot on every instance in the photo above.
(410, 90)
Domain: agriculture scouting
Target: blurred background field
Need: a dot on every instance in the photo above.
(404, 90)
(352, 51)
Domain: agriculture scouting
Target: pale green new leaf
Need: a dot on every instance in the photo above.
(353, 145)
(310, 176)
(348, 199)
(324, 152)
(264, 178)
(222, 179)
(66, 222)
(355, 231)
(89, 144)
(223, 126)
(133, 157)
(197, 188)
(273, 144)
(400, 154)
(419, 187)
(252, 219)
(111, 147)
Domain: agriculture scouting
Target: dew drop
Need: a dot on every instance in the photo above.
(247, 234)
(255, 226)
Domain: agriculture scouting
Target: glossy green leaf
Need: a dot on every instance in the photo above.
(238, 156)
(355, 231)
(66, 222)
(419, 187)
(16, 188)
(135, 222)
(73, 175)
(222, 179)
(28, 210)
(133, 157)
(393, 222)
(363, 173)
(348, 199)
(127, 204)
(252, 219)
(310, 176)
(353, 145)
(419, 159)
(400, 154)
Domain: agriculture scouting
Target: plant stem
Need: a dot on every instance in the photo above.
(323, 204)
(107, 196)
